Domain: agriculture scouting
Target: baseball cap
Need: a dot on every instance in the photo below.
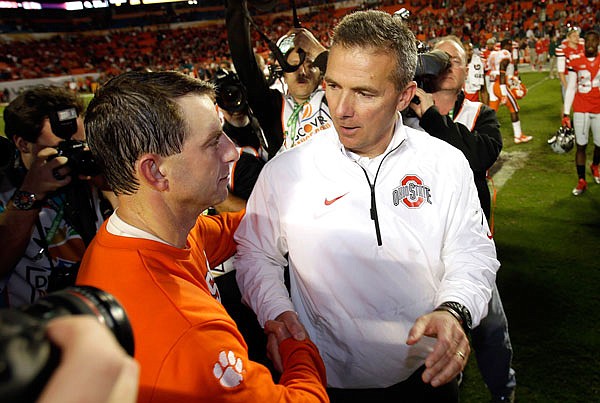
(491, 41)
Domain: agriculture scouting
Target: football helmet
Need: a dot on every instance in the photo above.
(563, 140)
(516, 87)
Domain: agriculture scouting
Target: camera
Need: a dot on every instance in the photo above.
(431, 65)
(81, 161)
(28, 358)
(231, 94)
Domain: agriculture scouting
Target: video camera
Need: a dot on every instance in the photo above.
(431, 65)
(64, 125)
(231, 94)
(28, 358)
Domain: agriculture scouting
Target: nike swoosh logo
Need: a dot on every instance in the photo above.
(330, 202)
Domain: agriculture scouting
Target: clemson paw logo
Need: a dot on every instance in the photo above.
(228, 370)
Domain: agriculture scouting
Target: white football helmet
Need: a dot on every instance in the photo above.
(516, 86)
(563, 141)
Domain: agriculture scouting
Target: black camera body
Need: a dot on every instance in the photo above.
(231, 94)
(430, 66)
(81, 161)
(28, 358)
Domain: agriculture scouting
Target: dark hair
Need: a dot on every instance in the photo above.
(592, 33)
(383, 33)
(25, 115)
(137, 113)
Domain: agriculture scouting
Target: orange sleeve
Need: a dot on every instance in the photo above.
(210, 363)
(214, 234)
(303, 366)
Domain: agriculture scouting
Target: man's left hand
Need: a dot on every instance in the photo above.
(451, 351)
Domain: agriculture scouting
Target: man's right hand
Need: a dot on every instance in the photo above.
(566, 121)
(286, 325)
(44, 175)
(426, 102)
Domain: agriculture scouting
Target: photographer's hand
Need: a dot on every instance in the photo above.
(45, 176)
(305, 40)
(426, 102)
(17, 225)
(93, 368)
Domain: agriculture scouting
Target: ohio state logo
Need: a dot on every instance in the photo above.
(411, 192)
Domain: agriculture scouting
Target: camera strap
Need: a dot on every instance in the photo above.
(60, 212)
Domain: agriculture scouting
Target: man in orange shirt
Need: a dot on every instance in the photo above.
(159, 140)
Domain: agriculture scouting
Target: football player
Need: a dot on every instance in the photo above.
(475, 73)
(571, 46)
(486, 92)
(583, 93)
(500, 62)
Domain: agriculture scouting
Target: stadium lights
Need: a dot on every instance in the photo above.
(69, 5)
(85, 4)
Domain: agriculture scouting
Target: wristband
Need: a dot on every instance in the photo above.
(459, 311)
(503, 90)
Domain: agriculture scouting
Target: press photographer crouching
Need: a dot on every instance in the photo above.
(70, 346)
(51, 204)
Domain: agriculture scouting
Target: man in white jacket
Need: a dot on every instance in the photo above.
(391, 260)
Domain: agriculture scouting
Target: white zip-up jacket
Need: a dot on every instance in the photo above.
(358, 287)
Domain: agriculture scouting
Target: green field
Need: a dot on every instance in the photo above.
(547, 243)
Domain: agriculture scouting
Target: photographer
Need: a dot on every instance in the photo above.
(473, 128)
(49, 208)
(289, 118)
(244, 130)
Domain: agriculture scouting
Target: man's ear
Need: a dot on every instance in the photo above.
(24, 146)
(148, 167)
(406, 96)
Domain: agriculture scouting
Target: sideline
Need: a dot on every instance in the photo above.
(506, 165)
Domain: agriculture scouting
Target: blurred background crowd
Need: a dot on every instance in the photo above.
(191, 38)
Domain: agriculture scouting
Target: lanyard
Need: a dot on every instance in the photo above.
(292, 122)
(60, 212)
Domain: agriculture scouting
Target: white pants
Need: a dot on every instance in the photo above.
(582, 122)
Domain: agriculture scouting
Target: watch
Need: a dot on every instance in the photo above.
(460, 312)
(24, 200)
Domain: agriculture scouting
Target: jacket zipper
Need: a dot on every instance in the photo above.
(373, 209)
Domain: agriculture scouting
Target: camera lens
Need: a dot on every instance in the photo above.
(86, 300)
(28, 358)
(231, 98)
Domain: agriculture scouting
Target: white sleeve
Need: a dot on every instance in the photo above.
(261, 253)
(561, 64)
(469, 253)
(570, 92)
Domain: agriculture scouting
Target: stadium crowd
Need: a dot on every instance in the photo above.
(201, 48)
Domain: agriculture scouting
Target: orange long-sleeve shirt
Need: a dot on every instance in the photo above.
(188, 347)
